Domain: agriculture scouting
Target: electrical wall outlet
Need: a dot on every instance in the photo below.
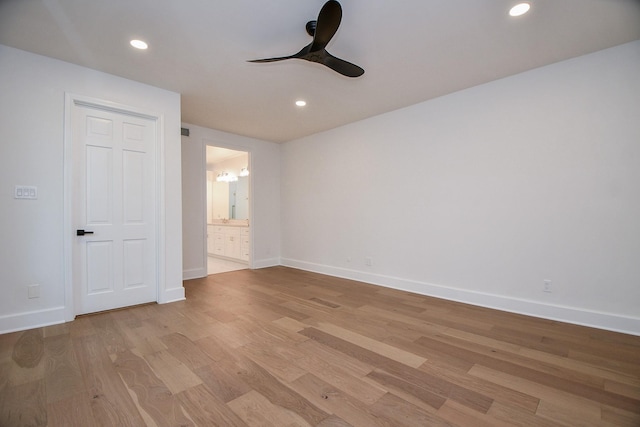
(368, 261)
(546, 286)
(33, 291)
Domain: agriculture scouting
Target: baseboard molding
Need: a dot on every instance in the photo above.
(172, 295)
(194, 273)
(600, 320)
(53, 316)
(265, 263)
(32, 319)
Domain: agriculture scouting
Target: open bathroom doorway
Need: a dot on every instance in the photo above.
(228, 206)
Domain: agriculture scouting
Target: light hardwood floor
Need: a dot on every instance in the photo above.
(283, 347)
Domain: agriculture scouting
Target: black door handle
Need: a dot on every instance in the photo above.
(82, 232)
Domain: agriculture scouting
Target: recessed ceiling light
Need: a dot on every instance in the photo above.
(138, 44)
(519, 9)
(301, 103)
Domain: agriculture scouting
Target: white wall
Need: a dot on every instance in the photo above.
(32, 102)
(264, 206)
(481, 195)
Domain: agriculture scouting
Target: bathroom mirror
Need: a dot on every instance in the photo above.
(227, 199)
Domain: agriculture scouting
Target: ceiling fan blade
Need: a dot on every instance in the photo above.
(327, 24)
(341, 66)
(304, 51)
(282, 58)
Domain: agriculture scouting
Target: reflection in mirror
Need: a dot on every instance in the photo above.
(227, 199)
(239, 198)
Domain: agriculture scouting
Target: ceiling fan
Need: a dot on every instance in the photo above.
(322, 30)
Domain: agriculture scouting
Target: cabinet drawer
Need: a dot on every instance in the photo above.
(232, 232)
(244, 231)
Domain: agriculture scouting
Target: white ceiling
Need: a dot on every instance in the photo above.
(218, 155)
(411, 50)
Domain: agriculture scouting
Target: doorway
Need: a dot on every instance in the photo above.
(228, 204)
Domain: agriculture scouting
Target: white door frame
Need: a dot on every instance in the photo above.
(71, 101)
(203, 178)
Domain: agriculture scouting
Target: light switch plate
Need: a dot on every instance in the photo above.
(26, 192)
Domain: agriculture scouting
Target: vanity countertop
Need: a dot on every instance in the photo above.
(231, 223)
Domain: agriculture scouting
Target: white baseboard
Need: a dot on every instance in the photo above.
(264, 263)
(31, 319)
(574, 315)
(171, 295)
(194, 273)
(53, 316)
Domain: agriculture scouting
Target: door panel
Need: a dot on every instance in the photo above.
(99, 195)
(99, 268)
(134, 254)
(114, 197)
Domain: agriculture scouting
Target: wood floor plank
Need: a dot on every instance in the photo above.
(72, 411)
(152, 397)
(406, 373)
(255, 409)
(290, 324)
(558, 413)
(378, 347)
(24, 405)
(207, 410)
(399, 412)
(408, 390)
(624, 389)
(259, 379)
(619, 417)
(185, 350)
(332, 400)
(276, 358)
(214, 349)
(330, 371)
(111, 403)
(334, 421)
(543, 392)
(173, 373)
(29, 349)
(222, 381)
(565, 384)
(12, 374)
(457, 414)
(110, 333)
(355, 366)
(271, 330)
(143, 339)
(512, 416)
(433, 356)
(63, 378)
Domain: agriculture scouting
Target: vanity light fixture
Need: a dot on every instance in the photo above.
(519, 9)
(244, 172)
(138, 44)
(226, 177)
(301, 103)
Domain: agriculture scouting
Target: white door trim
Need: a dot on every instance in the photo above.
(71, 101)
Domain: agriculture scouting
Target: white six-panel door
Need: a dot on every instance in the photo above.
(114, 197)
